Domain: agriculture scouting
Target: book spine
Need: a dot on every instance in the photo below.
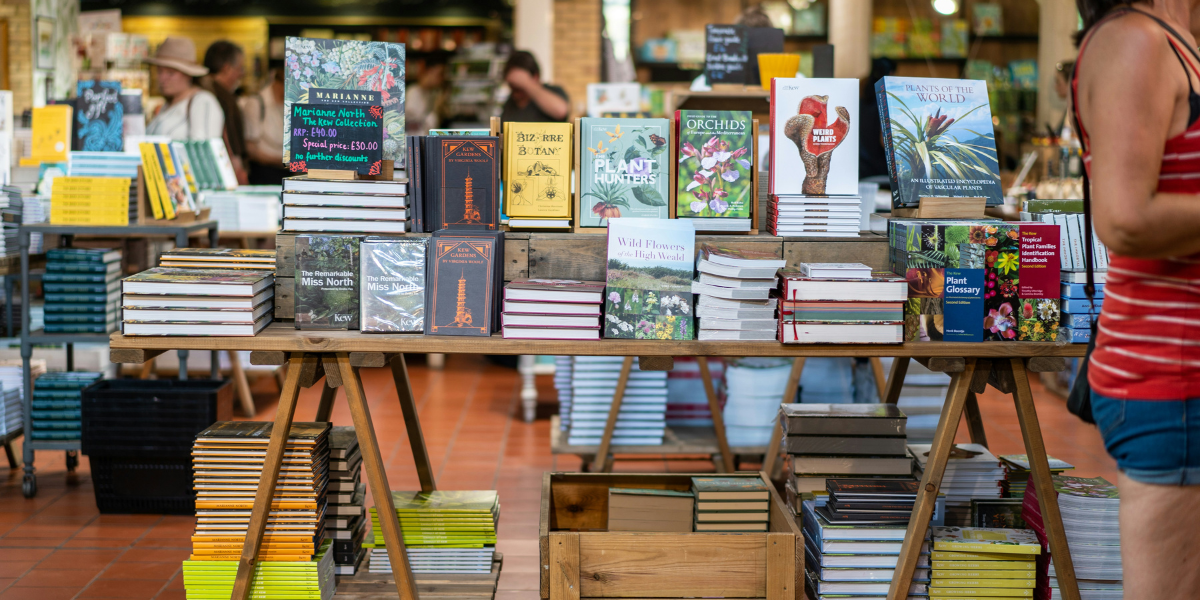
(888, 146)
(1075, 233)
(1076, 306)
(771, 151)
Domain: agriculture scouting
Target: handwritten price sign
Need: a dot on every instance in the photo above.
(336, 136)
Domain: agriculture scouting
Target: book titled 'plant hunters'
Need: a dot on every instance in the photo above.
(460, 295)
(624, 169)
(327, 282)
(938, 139)
(716, 160)
(537, 170)
(321, 71)
(649, 279)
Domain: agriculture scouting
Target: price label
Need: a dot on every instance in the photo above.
(338, 137)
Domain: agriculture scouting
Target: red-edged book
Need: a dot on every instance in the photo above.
(555, 290)
(881, 287)
(551, 333)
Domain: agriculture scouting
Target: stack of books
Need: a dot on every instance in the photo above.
(227, 463)
(978, 562)
(563, 366)
(814, 216)
(55, 410)
(444, 531)
(12, 215)
(841, 303)
(840, 440)
(11, 419)
(1078, 312)
(642, 418)
(1089, 509)
(751, 390)
(218, 258)
(212, 579)
(82, 288)
(206, 302)
(552, 309)
(971, 473)
(345, 205)
(731, 503)
(345, 521)
(631, 509)
(13, 396)
(871, 510)
(734, 287)
(1017, 473)
(251, 208)
(33, 210)
(90, 201)
(211, 165)
(108, 165)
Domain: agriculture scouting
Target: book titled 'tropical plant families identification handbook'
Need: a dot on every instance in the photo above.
(649, 279)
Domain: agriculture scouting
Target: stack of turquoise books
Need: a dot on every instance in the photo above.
(83, 290)
(56, 411)
(444, 531)
(293, 580)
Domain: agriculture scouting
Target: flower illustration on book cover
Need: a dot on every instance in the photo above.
(719, 175)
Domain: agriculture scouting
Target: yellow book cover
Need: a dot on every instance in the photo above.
(976, 573)
(984, 539)
(981, 583)
(177, 193)
(537, 170)
(965, 592)
(984, 560)
(51, 133)
(156, 184)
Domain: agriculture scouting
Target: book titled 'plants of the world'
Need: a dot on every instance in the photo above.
(938, 138)
(716, 160)
(648, 293)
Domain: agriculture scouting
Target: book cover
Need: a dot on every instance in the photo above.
(814, 136)
(649, 279)
(1038, 281)
(537, 169)
(51, 133)
(624, 168)
(460, 293)
(955, 38)
(329, 71)
(327, 282)
(728, 484)
(979, 539)
(99, 117)
(466, 182)
(989, 19)
(392, 285)
(938, 139)
(715, 164)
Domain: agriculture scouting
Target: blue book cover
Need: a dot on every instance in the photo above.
(1075, 290)
(1078, 321)
(99, 117)
(1079, 335)
(963, 305)
(1081, 305)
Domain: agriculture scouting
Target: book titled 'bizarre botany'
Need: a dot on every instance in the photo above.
(649, 279)
(327, 282)
(715, 163)
(938, 139)
(623, 170)
(537, 170)
(814, 137)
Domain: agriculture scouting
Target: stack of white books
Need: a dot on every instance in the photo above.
(734, 289)
(971, 473)
(814, 216)
(642, 418)
(753, 389)
(563, 366)
(345, 205)
(552, 309)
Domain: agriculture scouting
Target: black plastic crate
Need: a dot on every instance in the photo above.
(129, 416)
(159, 483)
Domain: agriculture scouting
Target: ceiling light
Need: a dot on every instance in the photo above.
(946, 7)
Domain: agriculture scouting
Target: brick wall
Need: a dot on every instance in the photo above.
(576, 49)
(19, 52)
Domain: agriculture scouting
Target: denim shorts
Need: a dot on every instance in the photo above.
(1153, 441)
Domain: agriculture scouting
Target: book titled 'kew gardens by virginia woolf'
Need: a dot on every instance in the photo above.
(938, 139)
(648, 292)
(460, 294)
(327, 282)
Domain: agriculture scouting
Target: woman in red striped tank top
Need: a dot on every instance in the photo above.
(1138, 111)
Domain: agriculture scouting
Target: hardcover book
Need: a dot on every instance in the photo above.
(326, 71)
(460, 296)
(537, 170)
(99, 117)
(978, 539)
(624, 168)
(715, 164)
(649, 279)
(938, 139)
(327, 282)
(392, 285)
(463, 182)
(814, 137)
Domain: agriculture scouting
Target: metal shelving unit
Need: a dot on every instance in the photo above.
(181, 232)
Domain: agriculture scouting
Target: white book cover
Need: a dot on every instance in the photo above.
(814, 136)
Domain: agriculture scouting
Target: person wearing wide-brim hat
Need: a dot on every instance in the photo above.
(191, 112)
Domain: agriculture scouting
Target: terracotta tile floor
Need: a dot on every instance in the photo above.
(56, 546)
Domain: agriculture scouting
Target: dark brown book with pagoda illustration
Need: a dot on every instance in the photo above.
(465, 182)
(460, 290)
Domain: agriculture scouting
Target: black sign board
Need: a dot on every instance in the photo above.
(761, 40)
(725, 54)
(336, 137)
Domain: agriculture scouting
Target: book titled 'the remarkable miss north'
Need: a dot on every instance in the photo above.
(327, 282)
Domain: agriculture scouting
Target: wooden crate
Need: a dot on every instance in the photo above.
(580, 559)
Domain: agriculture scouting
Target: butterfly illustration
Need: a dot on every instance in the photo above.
(376, 111)
(657, 139)
(599, 149)
(615, 134)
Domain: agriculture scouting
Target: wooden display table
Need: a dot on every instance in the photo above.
(338, 355)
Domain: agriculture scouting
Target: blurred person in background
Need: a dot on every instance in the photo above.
(191, 113)
(530, 100)
(226, 64)
(263, 114)
(424, 104)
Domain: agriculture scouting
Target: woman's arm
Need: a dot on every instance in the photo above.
(206, 117)
(552, 104)
(1130, 88)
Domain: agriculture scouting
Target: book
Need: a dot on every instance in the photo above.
(392, 285)
(843, 419)
(555, 291)
(141, 315)
(737, 262)
(624, 169)
(185, 282)
(835, 270)
(327, 282)
(883, 287)
(955, 38)
(947, 118)
(348, 72)
(716, 163)
(264, 258)
(464, 180)
(713, 335)
(202, 302)
(343, 213)
(51, 135)
(550, 333)
(553, 321)
(537, 170)
(130, 327)
(99, 117)
(845, 446)
(461, 286)
(730, 293)
(729, 489)
(841, 312)
(979, 539)
(852, 465)
(631, 509)
(550, 308)
(814, 136)
(988, 19)
(344, 225)
(318, 191)
(649, 279)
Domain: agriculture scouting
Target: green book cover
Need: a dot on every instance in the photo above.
(327, 282)
(979, 539)
(456, 501)
(716, 160)
(728, 484)
(624, 169)
(1096, 487)
(649, 492)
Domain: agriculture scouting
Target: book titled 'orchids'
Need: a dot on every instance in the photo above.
(716, 161)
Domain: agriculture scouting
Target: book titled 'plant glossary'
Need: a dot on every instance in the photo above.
(327, 282)
(649, 279)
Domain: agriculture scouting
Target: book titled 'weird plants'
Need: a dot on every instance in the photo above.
(716, 160)
(648, 292)
(814, 137)
(623, 169)
(938, 138)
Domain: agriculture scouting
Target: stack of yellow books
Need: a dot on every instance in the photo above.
(293, 580)
(227, 461)
(977, 562)
(444, 531)
(90, 201)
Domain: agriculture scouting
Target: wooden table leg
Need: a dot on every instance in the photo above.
(377, 478)
(299, 362)
(975, 420)
(1035, 448)
(895, 381)
(241, 383)
(412, 423)
(880, 377)
(771, 458)
(325, 407)
(717, 418)
(600, 464)
(931, 480)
